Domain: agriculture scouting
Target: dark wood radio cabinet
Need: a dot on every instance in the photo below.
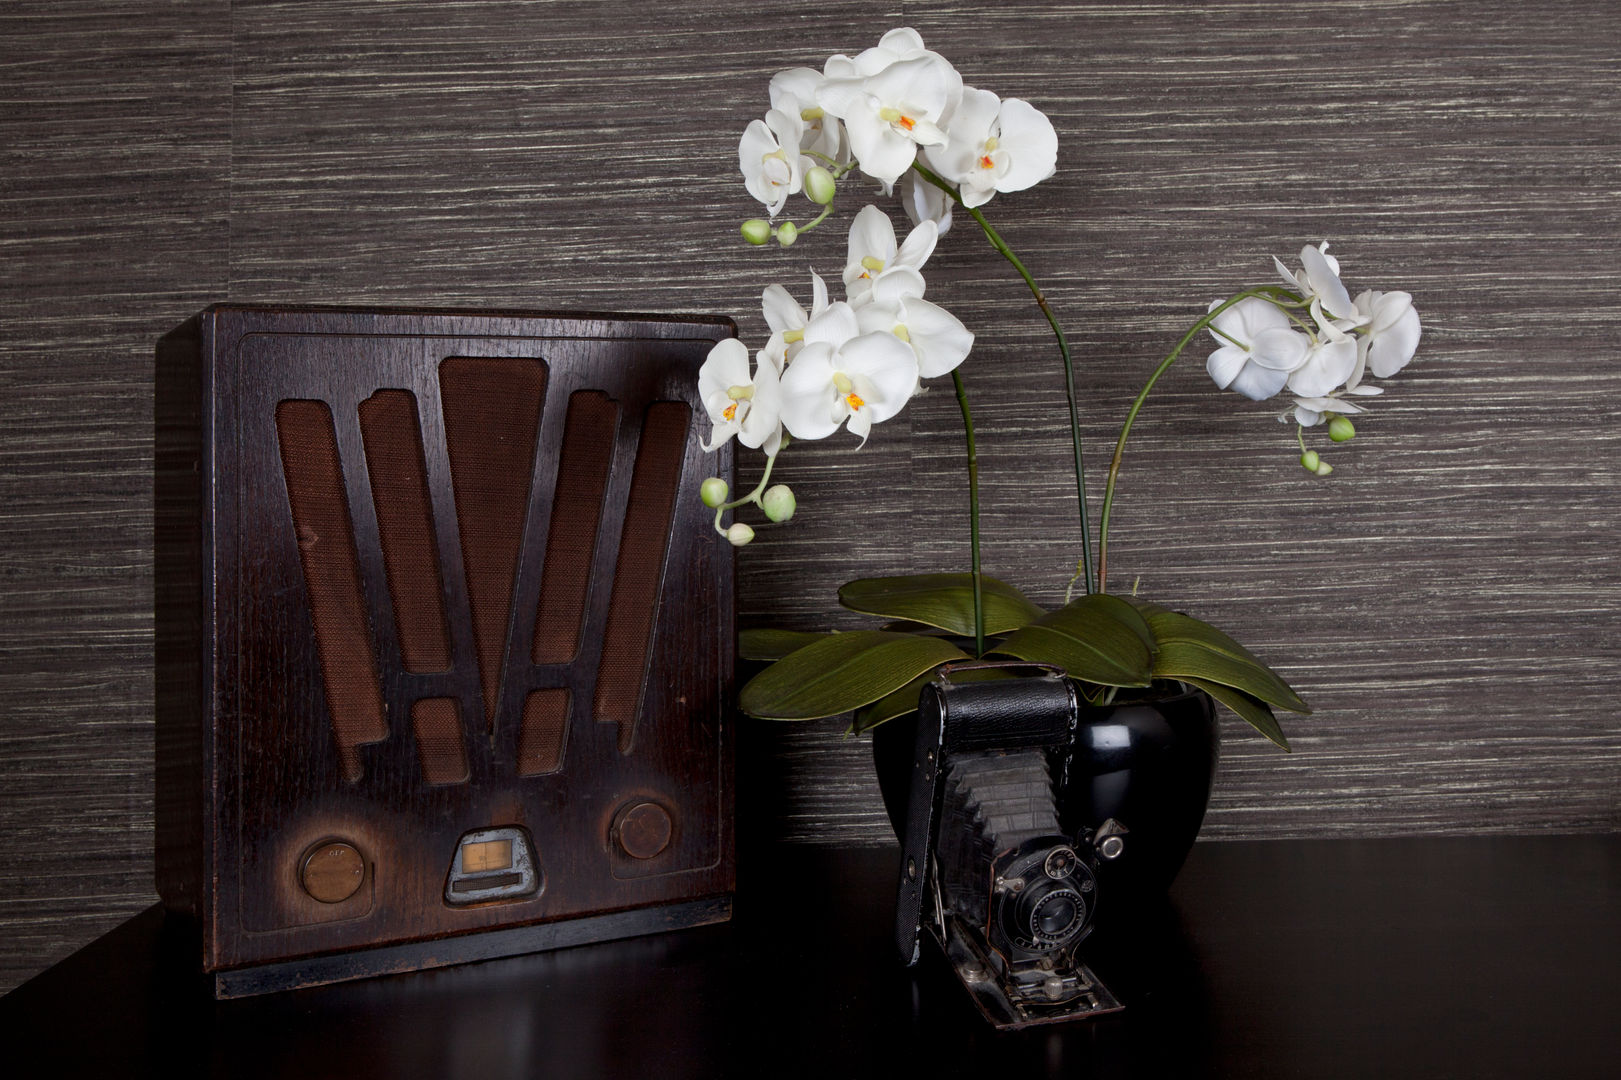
(444, 637)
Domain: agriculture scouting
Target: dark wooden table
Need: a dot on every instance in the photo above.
(1468, 957)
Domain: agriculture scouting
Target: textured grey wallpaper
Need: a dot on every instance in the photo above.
(1447, 600)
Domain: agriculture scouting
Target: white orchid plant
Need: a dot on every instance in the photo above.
(900, 115)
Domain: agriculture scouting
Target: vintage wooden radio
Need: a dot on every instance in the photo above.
(444, 638)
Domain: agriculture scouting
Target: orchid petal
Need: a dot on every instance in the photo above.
(1328, 365)
(782, 311)
(938, 337)
(806, 394)
(1279, 349)
(919, 245)
(1031, 145)
(1391, 350)
(1258, 383)
(833, 326)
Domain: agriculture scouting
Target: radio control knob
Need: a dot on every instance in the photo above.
(332, 872)
(643, 829)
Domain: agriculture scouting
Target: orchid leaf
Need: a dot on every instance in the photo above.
(1098, 638)
(1193, 650)
(1252, 709)
(842, 672)
(770, 644)
(942, 600)
(904, 700)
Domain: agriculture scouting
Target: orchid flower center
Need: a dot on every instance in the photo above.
(812, 113)
(871, 264)
(891, 115)
(855, 401)
(842, 383)
(900, 331)
(740, 393)
(730, 412)
(791, 336)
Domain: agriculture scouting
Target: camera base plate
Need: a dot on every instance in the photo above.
(1074, 993)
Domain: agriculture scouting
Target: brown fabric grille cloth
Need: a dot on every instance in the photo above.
(492, 408)
(582, 476)
(438, 726)
(326, 547)
(637, 574)
(545, 727)
(399, 487)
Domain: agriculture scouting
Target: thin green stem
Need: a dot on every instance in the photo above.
(1268, 292)
(1085, 562)
(751, 497)
(973, 512)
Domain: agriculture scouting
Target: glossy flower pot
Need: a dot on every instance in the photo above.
(1147, 761)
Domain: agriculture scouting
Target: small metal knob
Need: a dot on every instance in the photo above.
(643, 829)
(332, 872)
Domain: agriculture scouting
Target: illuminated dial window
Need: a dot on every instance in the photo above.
(483, 856)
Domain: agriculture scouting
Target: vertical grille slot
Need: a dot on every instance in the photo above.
(326, 548)
(399, 487)
(633, 608)
(438, 727)
(492, 411)
(545, 727)
(582, 476)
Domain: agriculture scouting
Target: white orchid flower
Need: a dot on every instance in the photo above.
(902, 43)
(788, 320)
(794, 91)
(1391, 335)
(938, 338)
(922, 202)
(1311, 411)
(845, 377)
(1258, 349)
(873, 250)
(1319, 282)
(1328, 364)
(994, 146)
(737, 403)
(894, 111)
(769, 157)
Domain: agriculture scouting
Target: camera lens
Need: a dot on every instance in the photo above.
(1055, 916)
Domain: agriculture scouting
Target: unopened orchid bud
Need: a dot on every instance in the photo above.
(756, 230)
(1309, 461)
(1341, 430)
(739, 534)
(714, 491)
(787, 233)
(778, 502)
(820, 186)
(1323, 468)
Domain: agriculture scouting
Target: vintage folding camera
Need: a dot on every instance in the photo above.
(985, 864)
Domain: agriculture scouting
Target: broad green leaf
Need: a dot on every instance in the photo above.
(773, 644)
(1098, 638)
(904, 700)
(842, 672)
(897, 703)
(1189, 648)
(1251, 709)
(943, 600)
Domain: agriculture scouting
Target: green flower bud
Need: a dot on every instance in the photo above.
(1323, 468)
(739, 534)
(1309, 461)
(1341, 430)
(714, 491)
(778, 502)
(756, 230)
(820, 186)
(787, 233)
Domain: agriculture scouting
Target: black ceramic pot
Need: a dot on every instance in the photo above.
(1147, 761)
